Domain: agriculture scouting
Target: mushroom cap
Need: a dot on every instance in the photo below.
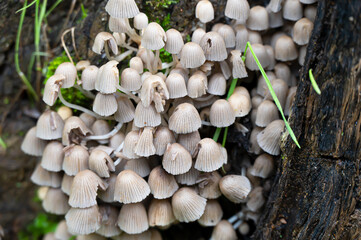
(221, 114)
(270, 137)
(126, 110)
(197, 85)
(136, 63)
(237, 9)
(240, 103)
(66, 183)
(192, 55)
(61, 231)
(254, 37)
(42, 177)
(255, 199)
(187, 205)
(197, 35)
(154, 90)
(107, 79)
(289, 101)
(228, 35)
(285, 49)
(55, 202)
(109, 226)
(292, 10)
(189, 178)
(241, 37)
(208, 185)
(101, 163)
(267, 112)
(274, 6)
(271, 55)
(49, 126)
(140, 166)
(176, 86)
(105, 104)
(261, 54)
(282, 71)
(145, 146)
(258, 19)
(146, 116)
(122, 8)
(82, 64)
(130, 187)
(103, 38)
(87, 119)
(209, 156)
(68, 70)
(224, 230)
(185, 119)
(52, 88)
(130, 79)
(280, 88)
(217, 84)
(235, 187)
(154, 37)
(162, 137)
(275, 19)
(176, 159)
(33, 145)
(239, 68)
(133, 218)
(212, 215)
(118, 25)
(160, 213)
(65, 112)
(204, 11)
(310, 12)
(213, 46)
(53, 156)
(81, 221)
(75, 129)
(174, 42)
(162, 185)
(130, 141)
(263, 166)
(76, 159)
(108, 194)
(255, 148)
(302, 31)
(140, 21)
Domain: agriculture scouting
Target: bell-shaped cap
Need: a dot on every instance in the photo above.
(140, 21)
(49, 126)
(32, 145)
(197, 35)
(68, 70)
(133, 218)
(209, 156)
(269, 138)
(237, 9)
(213, 46)
(53, 156)
(261, 54)
(280, 88)
(103, 38)
(228, 35)
(192, 55)
(241, 37)
(224, 230)
(66, 183)
(105, 104)
(61, 231)
(130, 79)
(84, 189)
(140, 166)
(130, 141)
(212, 215)
(292, 10)
(302, 31)
(256, 199)
(82, 64)
(87, 119)
(107, 80)
(146, 116)
(101, 163)
(185, 119)
(208, 185)
(239, 68)
(176, 86)
(160, 213)
(145, 146)
(55, 202)
(130, 187)
(76, 159)
(176, 159)
(235, 187)
(125, 111)
(108, 195)
(154, 90)
(162, 137)
(74, 131)
(285, 49)
(258, 19)
(204, 11)
(275, 19)
(154, 37)
(271, 55)
(82, 221)
(197, 85)
(221, 114)
(122, 8)
(267, 113)
(136, 63)
(65, 112)
(263, 166)
(217, 84)
(52, 88)
(174, 42)
(42, 177)
(109, 221)
(187, 205)
(162, 185)
(189, 178)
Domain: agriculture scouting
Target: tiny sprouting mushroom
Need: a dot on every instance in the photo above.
(107, 80)
(84, 189)
(162, 185)
(140, 166)
(133, 218)
(66, 183)
(267, 112)
(185, 119)
(192, 55)
(275, 5)
(162, 137)
(275, 19)
(204, 11)
(285, 49)
(255, 199)
(189, 178)
(49, 126)
(212, 215)
(33, 145)
(209, 156)
(221, 114)
(136, 63)
(237, 9)
(52, 88)
(101, 163)
(160, 213)
(238, 66)
(261, 54)
(145, 146)
(109, 226)
(208, 185)
(53, 155)
(65, 112)
(302, 31)
(213, 46)
(176, 159)
(130, 79)
(235, 187)
(82, 64)
(258, 19)
(122, 8)
(224, 230)
(263, 166)
(241, 37)
(217, 84)
(197, 35)
(88, 77)
(130, 187)
(154, 90)
(126, 111)
(61, 231)
(140, 21)
(270, 137)
(68, 70)
(244, 228)
(42, 177)
(76, 159)
(187, 205)
(55, 202)
(105, 104)
(81, 221)
(108, 195)
(197, 85)
(74, 131)
(292, 10)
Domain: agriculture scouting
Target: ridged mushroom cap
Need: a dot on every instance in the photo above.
(204, 11)
(109, 221)
(140, 21)
(235, 187)
(270, 137)
(126, 110)
(105, 104)
(212, 215)
(101, 163)
(53, 156)
(185, 119)
(162, 137)
(213, 46)
(49, 126)
(162, 184)
(42, 177)
(258, 19)
(133, 218)
(52, 88)
(174, 42)
(68, 70)
(222, 114)
(103, 38)
(209, 156)
(176, 159)
(154, 37)
(32, 145)
(76, 159)
(160, 213)
(224, 231)
(192, 55)
(55, 202)
(122, 8)
(217, 84)
(237, 9)
(82, 221)
(267, 112)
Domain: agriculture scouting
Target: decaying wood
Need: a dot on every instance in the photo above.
(317, 188)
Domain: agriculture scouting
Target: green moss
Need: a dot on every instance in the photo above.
(161, 3)
(40, 226)
(165, 56)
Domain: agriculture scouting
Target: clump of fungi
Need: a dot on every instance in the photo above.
(136, 163)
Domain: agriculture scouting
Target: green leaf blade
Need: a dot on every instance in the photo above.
(314, 83)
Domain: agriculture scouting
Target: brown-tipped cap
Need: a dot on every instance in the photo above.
(130, 187)
(212, 215)
(187, 205)
(197, 35)
(108, 194)
(224, 230)
(255, 199)
(240, 103)
(84, 189)
(56, 202)
(221, 114)
(285, 49)
(176, 159)
(213, 46)
(103, 38)
(209, 156)
(160, 213)
(237, 9)
(122, 8)
(176, 86)
(145, 146)
(261, 54)
(189, 178)
(105, 104)
(75, 130)
(65, 112)
(52, 88)
(75, 159)
(140, 166)
(217, 84)
(136, 63)
(189, 141)
(162, 137)
(140, 21)
(101, 163)
(87, 119)
(266, 113)
(204, 11)
(133, 218)
(292, 10)
(185, 119)
(258, 19)
(154, 37)
(130, 141)
(126, 110)
(228, 35)
(107, 79)
(235, 187)
(130, 79)
(146, 116)
(263, 166)
(197, 85)
(82, 64)
(81, 221)
(109, 226)
(162, 184)
(269, 138)
(174, 42)
(289, 101)
(239, 68)
(280, 88)
(53, 156)
(61, 232)
(302, 31)
(33, 145)
(49, 126)
(192, 55)
(42, 177)
(68, 70)
(208, 185)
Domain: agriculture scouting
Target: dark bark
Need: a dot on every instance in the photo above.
(316, 193)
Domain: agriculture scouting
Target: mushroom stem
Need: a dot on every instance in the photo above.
(127, 46)
(167, 65)
(235, 217)
(129, 94)
(85, 92)
(237, 224)
(156, 60)
(108, 135)
(132, 33)
(205, 123)
(149, 65)
(107, 52)
(175, 59)
(120, 57)
(205, 98)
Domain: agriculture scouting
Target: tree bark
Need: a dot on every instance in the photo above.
(316, 192)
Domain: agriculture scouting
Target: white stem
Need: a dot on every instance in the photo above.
(85, 92)
(235, 217)
(132, 33)
(156, 60)
(125, 45)
(129, 94)
(205, 123)
(122, 56)
(116, 163)
(108, 135)
(167, 65)
(237, 224)
(205, 98)
(149, 65)
(244, 171)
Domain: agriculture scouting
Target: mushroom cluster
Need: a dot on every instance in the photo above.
(136, 162)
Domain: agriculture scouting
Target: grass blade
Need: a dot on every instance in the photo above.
(314, 83)
(2, 143)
